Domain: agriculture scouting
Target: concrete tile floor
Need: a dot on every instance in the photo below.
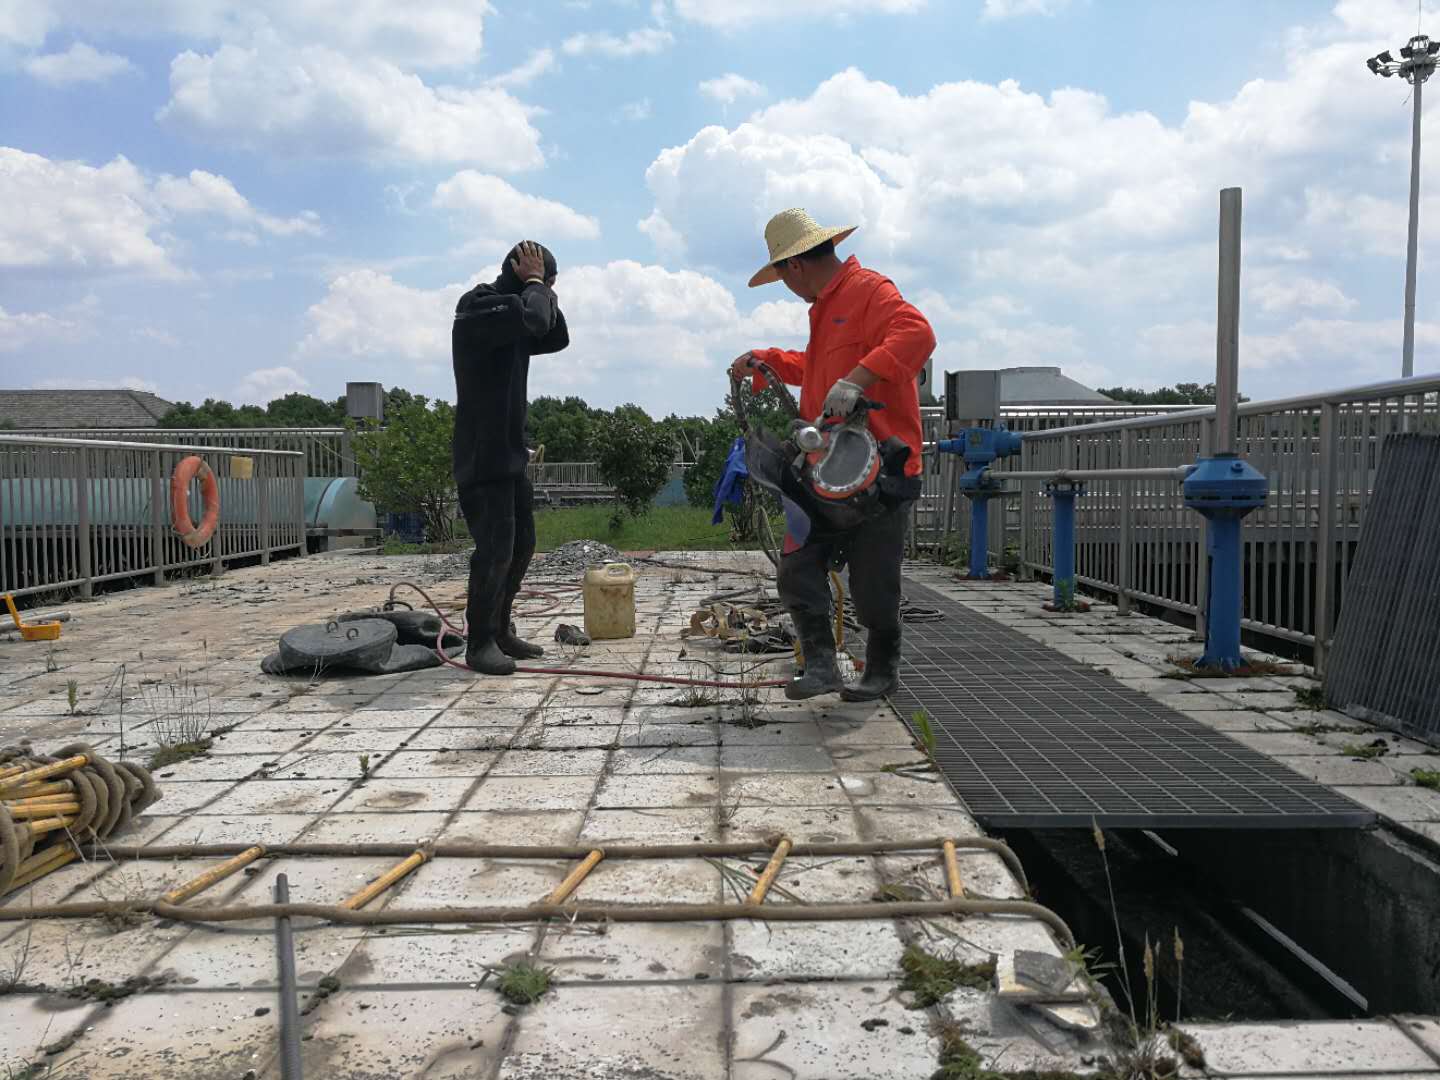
(537, 760)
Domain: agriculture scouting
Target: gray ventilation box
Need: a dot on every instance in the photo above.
(365, 401)
(972, 395)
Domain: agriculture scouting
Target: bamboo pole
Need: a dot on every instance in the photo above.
(32, 791)
(574, 878)
(37, 866)
(213, 876)
(49, 825)
(384, 881)
(772, 870)
(42, 810)
(952, 871)
(43, 772)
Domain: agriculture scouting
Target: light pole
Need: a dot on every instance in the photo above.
(1416, 64)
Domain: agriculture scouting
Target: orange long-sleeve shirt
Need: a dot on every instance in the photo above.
(861, 318)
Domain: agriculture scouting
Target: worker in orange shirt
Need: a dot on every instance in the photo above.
(865, 341)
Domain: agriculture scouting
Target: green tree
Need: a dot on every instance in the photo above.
(1185, 393)
(634, 455)
(302, 410)
(213, 413)
(406, 465)
(563, 426)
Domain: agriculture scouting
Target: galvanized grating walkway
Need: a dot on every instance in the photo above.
(1030, 738)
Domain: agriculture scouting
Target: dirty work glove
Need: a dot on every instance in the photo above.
(842, 398)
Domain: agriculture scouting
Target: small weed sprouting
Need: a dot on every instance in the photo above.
(182, 709)
(173, 753)
(51, 664)
(364, 766)
(1426, 778)
(1366, 751)
(523, 983)
(695, 697)
(72, 695)
(725, 813)
(924, 733)
(12, 972)
(1310, 697)
(930, 978)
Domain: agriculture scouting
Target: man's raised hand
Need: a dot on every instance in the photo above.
(529, 263)
(742, 365)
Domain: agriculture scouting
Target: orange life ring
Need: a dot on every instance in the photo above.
(188, 469)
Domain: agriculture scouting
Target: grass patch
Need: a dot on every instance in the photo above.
(930, 977)
(961, 1061)
(665, 528)
(1189, 669)
(1427, 778)
(1310, 697)
(523, 983)
(924, 734)
(107, 993)
(177, 752)
(1366, 751)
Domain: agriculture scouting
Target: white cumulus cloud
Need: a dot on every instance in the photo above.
(316, 101)
(88, 219)
(264, 385)
(498, 214)
(436, 33)
(730, 88)
(643, 42)
(734, 14)
(1010, 9)
(77, 64)
(22, 328)
(540, 62)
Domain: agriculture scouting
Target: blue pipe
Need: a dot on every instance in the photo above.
(1222, 625)
(980, 535)
(1062, 497)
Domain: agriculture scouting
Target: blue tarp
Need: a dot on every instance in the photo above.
(731, 488)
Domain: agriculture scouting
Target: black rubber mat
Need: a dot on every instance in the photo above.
(1031, 738)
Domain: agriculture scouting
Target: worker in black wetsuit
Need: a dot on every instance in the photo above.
(498, 327)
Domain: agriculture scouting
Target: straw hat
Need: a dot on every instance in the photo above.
(790, 233)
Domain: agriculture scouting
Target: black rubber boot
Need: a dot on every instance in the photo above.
(510, 643)
(882, 669)
(821, 675)
(487, 659)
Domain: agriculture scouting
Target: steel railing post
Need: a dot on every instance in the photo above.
(1124, 559)
(82, 525)
(157, 516)
(262, 513)
(1325, 536)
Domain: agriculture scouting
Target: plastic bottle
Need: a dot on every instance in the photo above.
(610, 601)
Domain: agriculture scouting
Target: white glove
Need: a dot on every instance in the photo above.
(842, 398)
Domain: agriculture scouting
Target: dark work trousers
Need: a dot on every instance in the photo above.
(501, 518)
(874, 550)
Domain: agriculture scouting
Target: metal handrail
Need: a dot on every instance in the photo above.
(108, 444)
(1419, 384)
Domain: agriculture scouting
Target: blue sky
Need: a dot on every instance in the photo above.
(211, 199)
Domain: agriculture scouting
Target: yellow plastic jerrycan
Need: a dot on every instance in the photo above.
(610, 601)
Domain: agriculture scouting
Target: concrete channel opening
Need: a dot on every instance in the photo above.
(1291, 902)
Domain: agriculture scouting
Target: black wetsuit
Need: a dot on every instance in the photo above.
(498, 327)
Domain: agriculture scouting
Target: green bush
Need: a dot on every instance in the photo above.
(406, 465)
(634, 455)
